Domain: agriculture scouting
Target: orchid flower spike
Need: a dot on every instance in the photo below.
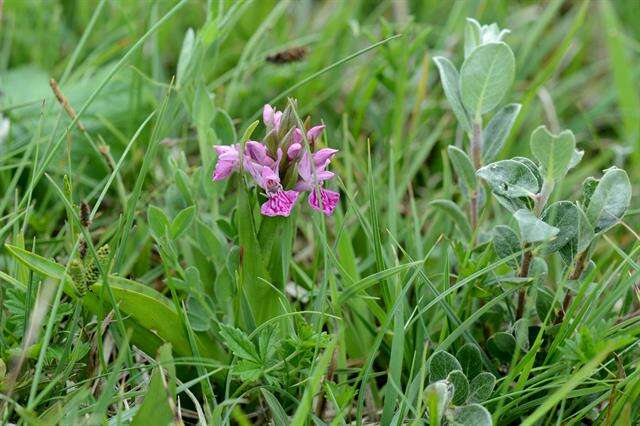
(281, 184)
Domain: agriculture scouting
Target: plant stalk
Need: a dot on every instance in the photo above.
(578, 269)
(527, 256)
(476, 157)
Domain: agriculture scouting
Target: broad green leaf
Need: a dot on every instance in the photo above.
(510, 178)
(440, 364)
(521, 332)
(481, 387)
(238, 342)
(532, 229)
(554, 152)
(460, 386)
(455, 213)
(155, 408)
(470, 415)
(472, 36)
(506, 243)
(470, 359)
(158, 221)
(485, 77)
(502, 345)
(576, 157)
(182, 222)
(248, 371)
(531, 166)
(224, 128)
(496, 132)
(451, 86)
(565, 216)
(463, 167)
(150, 309)
(610, 200)
(437, 397)
(588, 187)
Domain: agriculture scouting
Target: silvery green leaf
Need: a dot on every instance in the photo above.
(565, 216)
(588, 187)
(506, 243)
(437, 397)
(521, 332)
(485, 77)
(469, 415)
(470, 359)
(532, 229)
(576, 157)
(491, 33)
(472, 36)
(585, 232)
(496, 132)
(554, 152)
(610, 200)
(440, 364)
(510, 179)
(538, 269)
(451, 86)
(460, 386)
(502, 345)
(454, 212)
(481, 387)
(531, 166)
(514, 204)
(463, 167)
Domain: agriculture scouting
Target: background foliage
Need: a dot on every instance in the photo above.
(379, 287)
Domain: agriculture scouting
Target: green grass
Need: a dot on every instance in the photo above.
(199, 309)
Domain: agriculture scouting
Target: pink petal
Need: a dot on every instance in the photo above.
(269, 180)
(304, 168)
(228, 161)
(297, 136)
(329, 200)
(314, 132)
(257, 152)
(267, 115)
(280, 204)
(294, 150)
(223, 170)
(277, 117)
(323, 157)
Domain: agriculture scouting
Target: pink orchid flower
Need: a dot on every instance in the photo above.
(312, 134)
(313, 177)
(271, 117)
(228, 161)
(265, 167)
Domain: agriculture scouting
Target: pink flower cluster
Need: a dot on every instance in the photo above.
(283, 177)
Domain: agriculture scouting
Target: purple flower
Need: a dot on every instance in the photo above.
(271, 117)
(313, 173)
(228, 161)
(264, 164)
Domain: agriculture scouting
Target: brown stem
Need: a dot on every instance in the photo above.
(524, 272)
(476, 156)
(578, 269)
